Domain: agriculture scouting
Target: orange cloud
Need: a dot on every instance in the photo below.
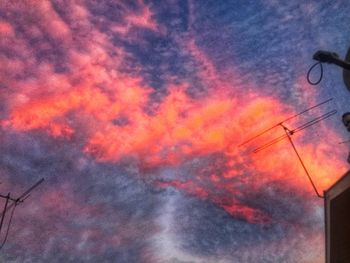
(179, 129)
(111, 105)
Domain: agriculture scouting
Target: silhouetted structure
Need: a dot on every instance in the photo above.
(337, 217)
(11, 203)
(329, 57)
(288, 134)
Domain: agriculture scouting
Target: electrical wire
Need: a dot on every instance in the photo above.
(309, 72)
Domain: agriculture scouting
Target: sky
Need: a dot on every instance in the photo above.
(133, 113)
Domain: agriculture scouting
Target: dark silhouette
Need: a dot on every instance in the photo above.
(7, 207)
(289, 133)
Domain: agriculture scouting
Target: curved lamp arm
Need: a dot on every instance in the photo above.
(331, 58)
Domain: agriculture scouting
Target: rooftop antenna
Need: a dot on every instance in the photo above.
(289, 133)
(14, 203)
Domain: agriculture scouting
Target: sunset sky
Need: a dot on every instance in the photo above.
(133, 113)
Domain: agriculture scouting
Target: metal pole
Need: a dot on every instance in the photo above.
(4, 211)
(287, 131)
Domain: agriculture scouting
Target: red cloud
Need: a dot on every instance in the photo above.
(98, 92)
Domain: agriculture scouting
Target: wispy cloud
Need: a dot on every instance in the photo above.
(135, 121)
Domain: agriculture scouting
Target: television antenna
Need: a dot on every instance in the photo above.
(14, 203)
(288, 133)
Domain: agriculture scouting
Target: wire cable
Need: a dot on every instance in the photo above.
(309, 72)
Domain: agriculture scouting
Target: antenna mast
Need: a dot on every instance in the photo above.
(13, 205)
(288, 133)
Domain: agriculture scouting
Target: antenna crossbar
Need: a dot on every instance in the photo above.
(23, 196)
(285, 120)
(13, 205)
(298, 129)
(272, 142)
